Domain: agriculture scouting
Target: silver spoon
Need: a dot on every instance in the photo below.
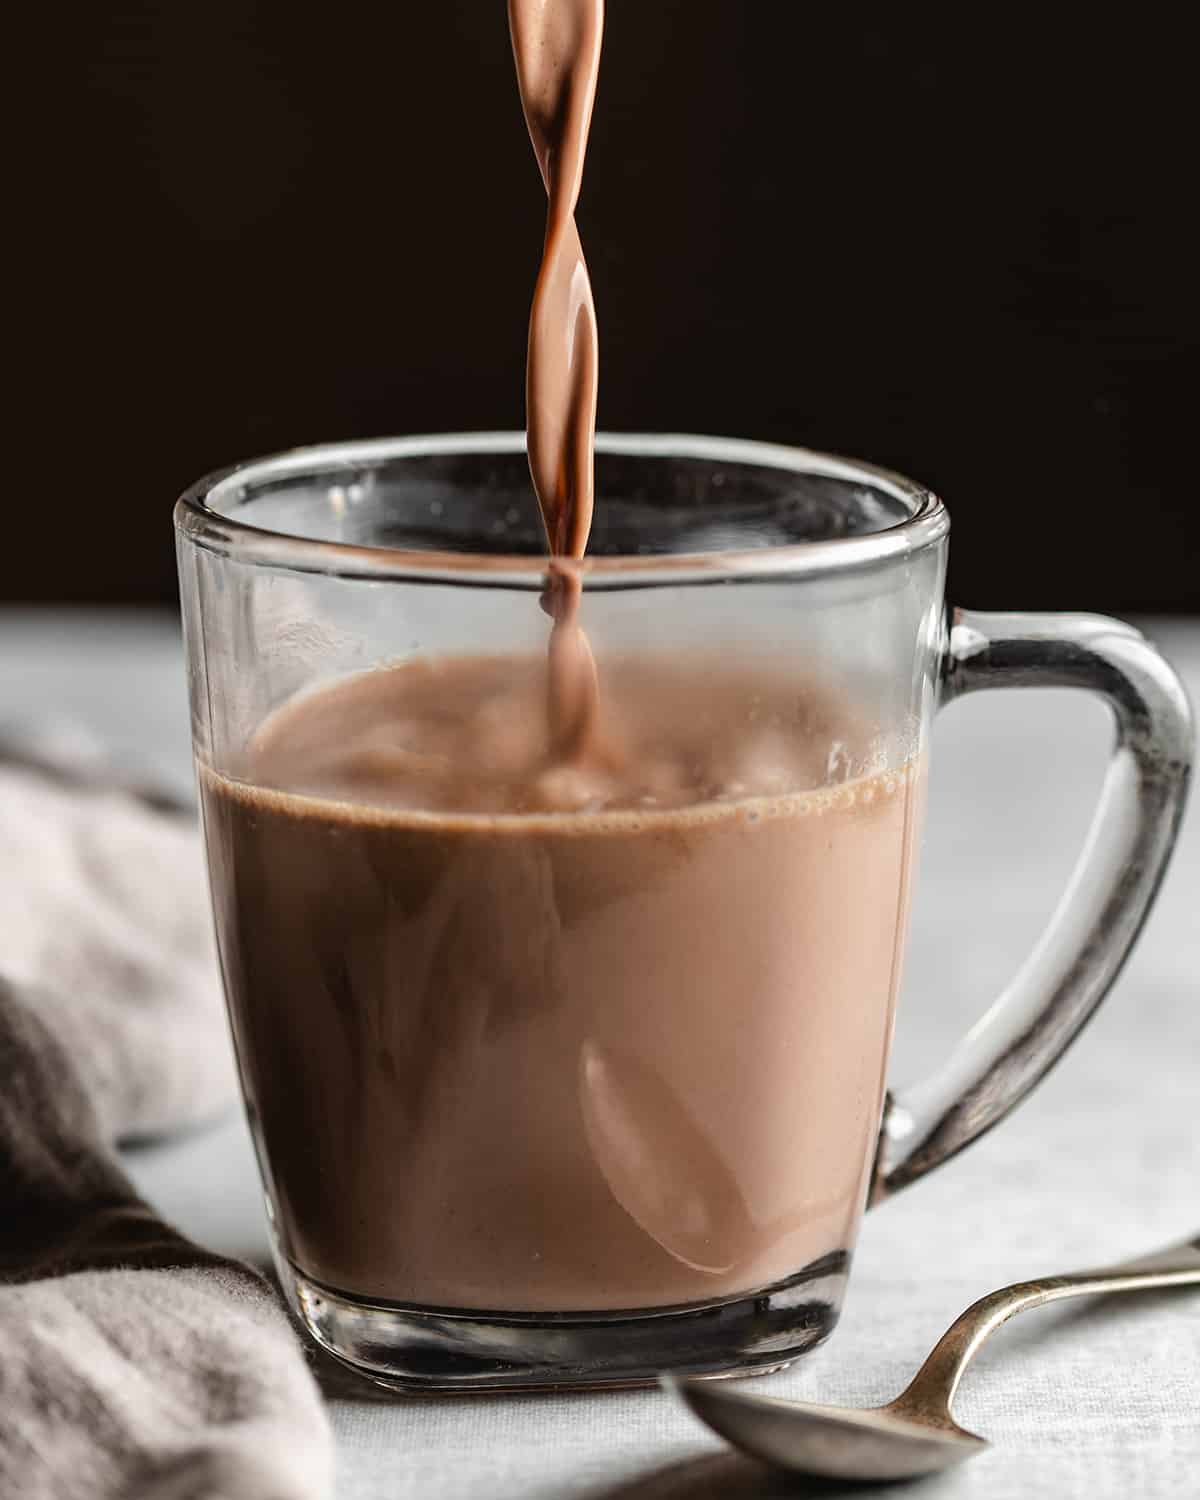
(914, 1434)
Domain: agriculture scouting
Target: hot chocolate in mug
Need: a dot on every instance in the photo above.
(565, 1054)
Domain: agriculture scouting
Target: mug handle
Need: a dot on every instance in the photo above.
(1102, 910)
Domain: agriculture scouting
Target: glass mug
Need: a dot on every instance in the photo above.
(570, 1098)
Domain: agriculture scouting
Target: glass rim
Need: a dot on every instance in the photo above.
(210, 530)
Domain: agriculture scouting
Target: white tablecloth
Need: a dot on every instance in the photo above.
(1083, 1402)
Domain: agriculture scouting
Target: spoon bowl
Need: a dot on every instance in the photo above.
(834, 1442)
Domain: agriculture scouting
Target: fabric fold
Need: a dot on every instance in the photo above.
(133, 1363)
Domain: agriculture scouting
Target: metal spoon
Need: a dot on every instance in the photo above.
(914, 1434)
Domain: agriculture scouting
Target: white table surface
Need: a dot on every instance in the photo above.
(1087, 1400)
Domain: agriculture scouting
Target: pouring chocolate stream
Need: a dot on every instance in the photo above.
(556, 46)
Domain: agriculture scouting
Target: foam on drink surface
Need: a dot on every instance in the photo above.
(469, 737)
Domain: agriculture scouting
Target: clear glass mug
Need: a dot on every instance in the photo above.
(622, 1110)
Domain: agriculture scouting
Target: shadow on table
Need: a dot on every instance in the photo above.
(338, 1382)
(729, 1476)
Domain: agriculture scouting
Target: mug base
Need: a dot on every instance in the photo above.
(424, 1349)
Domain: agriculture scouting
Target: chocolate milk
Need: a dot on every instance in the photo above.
(556, 47)
(516, 1036)
(556, 990)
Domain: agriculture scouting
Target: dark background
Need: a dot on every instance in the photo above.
(961, 249)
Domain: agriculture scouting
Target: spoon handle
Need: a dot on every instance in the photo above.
(932, 1389)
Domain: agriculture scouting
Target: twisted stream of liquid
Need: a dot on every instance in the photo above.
(556, 45)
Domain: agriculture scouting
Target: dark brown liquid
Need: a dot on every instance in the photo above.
(556, 46)
(524, 1036)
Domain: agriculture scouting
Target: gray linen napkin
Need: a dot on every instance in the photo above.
(132, 1363)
